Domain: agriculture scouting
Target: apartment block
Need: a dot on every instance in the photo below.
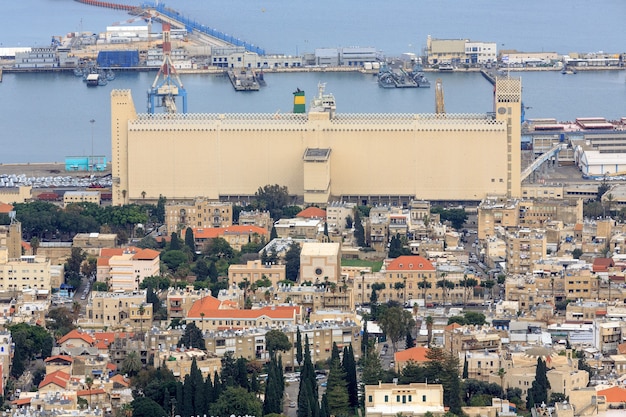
(200, 213)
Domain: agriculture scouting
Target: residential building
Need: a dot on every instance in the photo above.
(415, 399)
(253, 271)
(199, 214)
(209, 314)
(93, 242)
(116, 310)
(11, 238)
(524, 248)
(337, 214)
(256, 218)
(179, 361)
(236, 236)
(462, 339)
(124, 269)
(299, 228)
(17, 274)
(180, 301)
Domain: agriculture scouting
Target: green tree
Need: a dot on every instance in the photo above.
(174, 259)
(577, 253)
(274, 387)
(100, 286)
(308, 405)
(538, 392)
(272, 198)
(30, 341)
(429, 328)
(456, 217)
(237, 401)
(59, 320)
(395, 322)
(292, 262)
(192, 337)
(72, 267)
(275, 340)
(146, 407)
(474, 318)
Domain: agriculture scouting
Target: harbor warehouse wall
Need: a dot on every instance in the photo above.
(434, 157)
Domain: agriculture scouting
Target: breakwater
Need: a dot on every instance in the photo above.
(108, 5)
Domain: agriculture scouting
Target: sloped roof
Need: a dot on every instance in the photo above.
(312, 213)
(452, 326)
(95, 391)
(58, 378)
(57, 358)
(146, 255)
(120, 380)
(602, 264)
(614, 394)
(5, 208)
(273, 312)
(410, 263)
(416, 354)
(76, 334)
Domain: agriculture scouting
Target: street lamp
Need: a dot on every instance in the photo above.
(92, 121)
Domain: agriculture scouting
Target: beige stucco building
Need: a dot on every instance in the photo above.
(255, 270)
(316, 155)
(199, 213)
(416, 399)
(118, 310)
(24, 272)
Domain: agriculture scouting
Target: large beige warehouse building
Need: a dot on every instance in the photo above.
(320, 155)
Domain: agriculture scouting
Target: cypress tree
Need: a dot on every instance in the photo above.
(174, 241)
(324, 411)
(197, 386)
(349, 368)
(179, 398)
(410, 342)
(188, 394)
(208, 391)
(189, 240)
(299, 347)
(273, 234)
(336, 390)
(308, 405)
(334, 356)
(217, 386)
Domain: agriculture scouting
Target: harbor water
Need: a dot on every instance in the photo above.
(46, 116)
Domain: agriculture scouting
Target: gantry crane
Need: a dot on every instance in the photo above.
(167, 85)
(440, 108)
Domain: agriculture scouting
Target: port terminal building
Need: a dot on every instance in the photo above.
(321, 155)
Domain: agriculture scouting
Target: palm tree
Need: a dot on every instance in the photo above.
(141, 311)
(131, 364)
(429, 328)
(89, 383)
(501, 373)
(202, 320)
(424, 285)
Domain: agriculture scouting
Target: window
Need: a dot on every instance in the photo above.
(423, 398)
(369, 397)
(386, 398)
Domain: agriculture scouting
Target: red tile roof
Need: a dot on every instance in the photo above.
(415, 354)
(58, 378)
(621, 348)
(312, 213)
(452, 326)
(614, 394)
(410, 263)
(273, 312)
(59, 358)
(76, 334)
(602, 264)
(85, 392)
(22, 401)
(146, 255)
(5, 208)
(120, 380)
(578, 227)
(213, 232)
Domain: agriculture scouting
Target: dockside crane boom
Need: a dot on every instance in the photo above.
(167, 84)
(440, 108)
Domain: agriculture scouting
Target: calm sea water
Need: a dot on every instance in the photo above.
(45, 117)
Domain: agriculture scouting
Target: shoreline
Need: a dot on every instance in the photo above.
(221, 71)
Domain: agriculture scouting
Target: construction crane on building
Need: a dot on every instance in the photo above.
(167, 85)
(440, 108)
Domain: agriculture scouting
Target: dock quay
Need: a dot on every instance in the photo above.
(488, 76)
(244, 80)
(108, 5)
